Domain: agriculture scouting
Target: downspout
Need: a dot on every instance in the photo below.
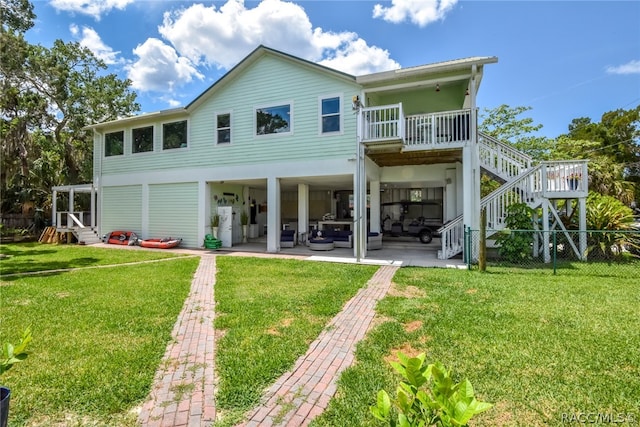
(97, 180)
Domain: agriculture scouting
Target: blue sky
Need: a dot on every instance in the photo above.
(564, 59)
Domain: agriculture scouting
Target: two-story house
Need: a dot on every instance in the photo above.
(293, 143)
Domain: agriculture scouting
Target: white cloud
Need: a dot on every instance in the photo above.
(418, 12)
(90, 39)
(94, 8)
(631, 67)
(160, 68)
(222, 37)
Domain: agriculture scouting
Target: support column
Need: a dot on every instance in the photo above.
(582, 207)
(204, 210)
(545, 231)
(93, 207)
(303, 210)
(374, 203)
(359, 197)
(273, 214)
(71, 204)
(470, 200)
(144, 220)
(54, 208)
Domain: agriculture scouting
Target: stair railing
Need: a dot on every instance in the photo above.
(526, 188)
(502, 159)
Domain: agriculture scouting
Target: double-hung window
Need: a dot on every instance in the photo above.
(330, 117)
(223, 128)
(142, 139)
(174, 135)
(274, 120)
(114, 144)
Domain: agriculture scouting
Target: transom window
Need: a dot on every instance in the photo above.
(174, 135)
(142, 139)
(114, 144)
(330, 115)
(270, 120)
(223, 128)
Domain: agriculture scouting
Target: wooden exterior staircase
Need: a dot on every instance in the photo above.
(523, 182)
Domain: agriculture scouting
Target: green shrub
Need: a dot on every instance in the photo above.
(517, 247)
(608, 213)
(443, 404)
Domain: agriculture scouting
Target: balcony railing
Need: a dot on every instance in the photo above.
(388, 123)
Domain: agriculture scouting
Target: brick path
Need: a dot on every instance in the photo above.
(183, 389)
(304, 392)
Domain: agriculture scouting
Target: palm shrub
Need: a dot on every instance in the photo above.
(611, 226)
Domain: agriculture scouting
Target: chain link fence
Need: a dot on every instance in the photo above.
(594, 251)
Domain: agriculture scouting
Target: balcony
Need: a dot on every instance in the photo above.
(387, 126)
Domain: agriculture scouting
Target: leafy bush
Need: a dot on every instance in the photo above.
(517, 247)
(608, 213)
(10, 354)
(444, 404)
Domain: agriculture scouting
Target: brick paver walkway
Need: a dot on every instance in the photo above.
(183, 391)
(184, 386)
(304, 392)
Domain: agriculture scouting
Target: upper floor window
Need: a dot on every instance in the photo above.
(223, 128)
(330, 114)
(114, 144)
(142, 139)
(174, 135)
(275, 119)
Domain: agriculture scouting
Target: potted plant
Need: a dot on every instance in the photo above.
(244, 220)
(215, 223)
(9, 355)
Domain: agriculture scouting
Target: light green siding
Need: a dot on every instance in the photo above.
(173, 212)
(269, 81)
(122, 209)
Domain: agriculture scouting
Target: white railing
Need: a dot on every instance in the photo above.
(553, 179)
(71, 218)
(451, 238)
(565, 176)
(501, 159)
(383, 123)
(435, 130)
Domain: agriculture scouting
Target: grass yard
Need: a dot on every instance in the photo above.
(544, 349)
(268, 311)
(30, 257)
(98, 334)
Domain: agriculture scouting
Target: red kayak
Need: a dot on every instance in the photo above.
(160, 243)
(127, 238)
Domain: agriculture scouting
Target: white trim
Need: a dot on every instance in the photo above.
(173, 150)
(215, 127)
(340, 114)
(271, 105)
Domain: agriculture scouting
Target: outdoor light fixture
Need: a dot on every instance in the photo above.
(467, 92)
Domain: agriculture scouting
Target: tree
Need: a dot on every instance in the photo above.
(504, 124)
(613, 148)
(49, 95)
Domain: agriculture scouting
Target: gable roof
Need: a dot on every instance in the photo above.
(250, 59)
(261, 51)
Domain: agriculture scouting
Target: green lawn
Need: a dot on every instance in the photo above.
(542, 348)
(536, 345)
(98, 334)
(268, 311)
(30, 257)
